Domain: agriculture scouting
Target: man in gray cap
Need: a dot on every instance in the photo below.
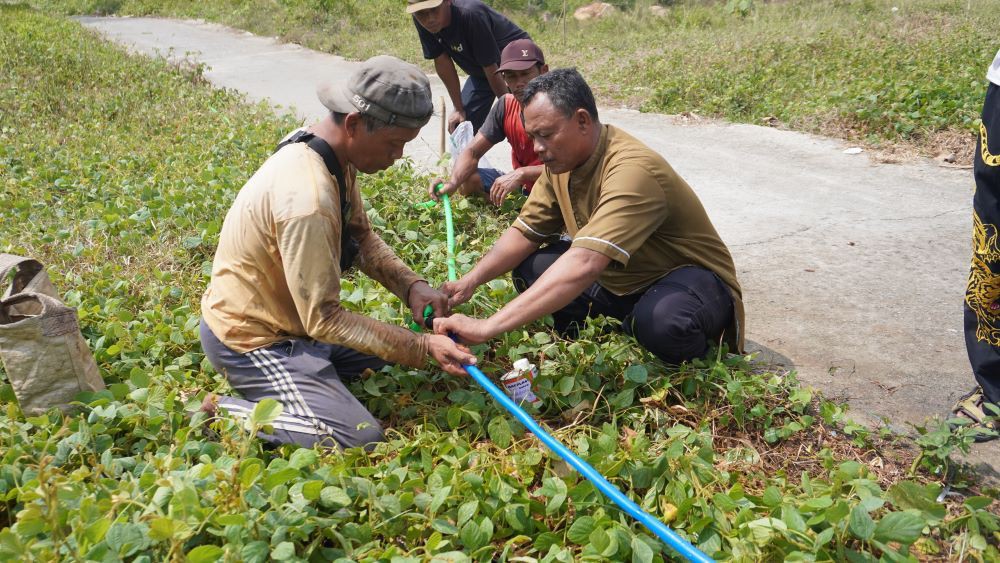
(272, 320)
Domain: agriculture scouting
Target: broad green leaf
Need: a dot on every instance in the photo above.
(978, 503)
(839, 511)
(280, 477)
(439, 497)
(443, 526)
(763, 529)
(302, 458)
(579, 532)
(793, 518)
(283, 551)
(126, 538)
(334, 497)
(637, 373)
(818, 503)
(546, 540)
(167, 528)
(823, 538)
(499, 430)
(772, 497)
(204, 554)
(250, 469)
(311, 490)
(265, 412)
(96, 530)
(467, 511)
(902, 527)
(600, 540)
(230, 519)
(255, 552)
(907, 494)
(473, 537)
(641, 552)
(862, 525)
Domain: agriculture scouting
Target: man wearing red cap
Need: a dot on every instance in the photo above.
(471, 35)
(520, 62)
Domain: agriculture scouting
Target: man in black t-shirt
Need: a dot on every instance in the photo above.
(472, 35)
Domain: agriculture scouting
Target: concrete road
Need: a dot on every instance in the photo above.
(853, 272)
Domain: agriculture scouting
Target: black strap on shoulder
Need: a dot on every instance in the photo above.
(348, 246)
(323, 149)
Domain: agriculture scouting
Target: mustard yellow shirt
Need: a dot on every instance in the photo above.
(629, 204)
(276, 272)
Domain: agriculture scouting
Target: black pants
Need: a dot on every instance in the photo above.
(675, 318)
(982, 297)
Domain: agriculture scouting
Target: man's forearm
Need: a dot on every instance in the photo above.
(510, 250)
(566, 279)
(468, 159)
(445, 68)
(531, 173)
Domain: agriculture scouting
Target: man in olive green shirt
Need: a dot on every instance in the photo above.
(643, 249)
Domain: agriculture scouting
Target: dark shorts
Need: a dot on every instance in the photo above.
(477, 98)
(487, 176)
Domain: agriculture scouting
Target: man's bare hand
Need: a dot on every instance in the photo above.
(421, 295)
(467, 329)
(458, 292)
(504, 185)
(446, 188)
(450, 356)
(455, 119)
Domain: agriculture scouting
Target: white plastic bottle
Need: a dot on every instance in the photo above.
(518, 383)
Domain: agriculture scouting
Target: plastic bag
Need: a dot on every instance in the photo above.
(460, 139)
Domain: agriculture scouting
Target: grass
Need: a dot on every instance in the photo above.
(904, 76)
(116, 171)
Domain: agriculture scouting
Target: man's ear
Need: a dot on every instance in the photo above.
(582, 119)
(352, 124)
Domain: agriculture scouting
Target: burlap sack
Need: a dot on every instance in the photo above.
(30, 276)
(44, 355)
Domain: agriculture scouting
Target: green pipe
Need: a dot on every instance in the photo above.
(450, 228)
(449, 223)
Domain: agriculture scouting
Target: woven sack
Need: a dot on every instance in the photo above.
(44, 355)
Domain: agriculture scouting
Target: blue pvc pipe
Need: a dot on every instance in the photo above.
(671, 538)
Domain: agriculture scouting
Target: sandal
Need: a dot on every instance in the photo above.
(970, 406)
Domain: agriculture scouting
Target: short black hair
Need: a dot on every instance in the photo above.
(566, 89)
(371, 124)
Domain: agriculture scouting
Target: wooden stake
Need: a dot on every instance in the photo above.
(444, 119)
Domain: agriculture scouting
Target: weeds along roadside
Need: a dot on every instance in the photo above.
(801, 64)
(116, 171)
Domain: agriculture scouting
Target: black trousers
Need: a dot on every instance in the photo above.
(675, 318)
(982, 296)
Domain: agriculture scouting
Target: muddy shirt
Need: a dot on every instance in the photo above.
(993, 74)
(474, 38)
(277, 273)
(627, 203)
